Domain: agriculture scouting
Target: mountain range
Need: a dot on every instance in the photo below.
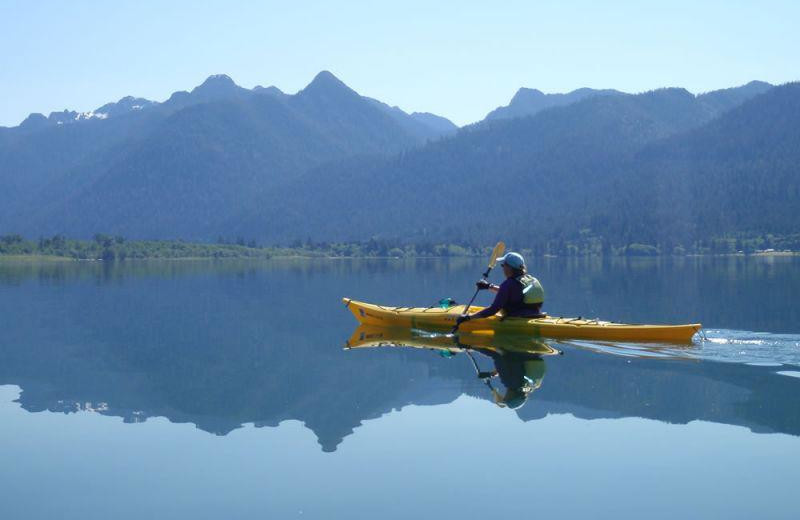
(190, 159)
(666, 167)
(528, 101)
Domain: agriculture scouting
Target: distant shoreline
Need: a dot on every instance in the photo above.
(32, 258)
(116, 248)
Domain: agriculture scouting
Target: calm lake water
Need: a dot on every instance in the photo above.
(201, 389)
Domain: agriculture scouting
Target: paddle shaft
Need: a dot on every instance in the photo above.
(485, 277)
(477, 368)
(498, 250)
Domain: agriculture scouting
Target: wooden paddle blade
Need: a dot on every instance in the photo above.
(496, 253)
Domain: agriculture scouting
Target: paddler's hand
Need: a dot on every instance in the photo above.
(461, 319)
(482, 285)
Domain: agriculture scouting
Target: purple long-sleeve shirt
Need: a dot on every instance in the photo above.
(509, 297)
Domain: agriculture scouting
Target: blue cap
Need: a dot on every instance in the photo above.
(513, 260)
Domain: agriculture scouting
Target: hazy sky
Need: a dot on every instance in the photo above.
(457, 59)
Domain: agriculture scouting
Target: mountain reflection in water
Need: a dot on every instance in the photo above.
(220, 345)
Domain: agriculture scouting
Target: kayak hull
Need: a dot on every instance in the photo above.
(437, 318)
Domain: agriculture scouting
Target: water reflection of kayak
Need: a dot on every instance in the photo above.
(517, 360)
(548, 326)
(366, 336)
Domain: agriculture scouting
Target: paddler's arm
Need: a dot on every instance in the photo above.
(499, 302)
(484, 284)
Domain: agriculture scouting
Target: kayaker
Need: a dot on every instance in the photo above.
(520, 295)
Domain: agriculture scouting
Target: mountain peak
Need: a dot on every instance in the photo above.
(218, 85)
(729, 97)
(326, 76)
(530, 101)
(34, 121)
(272, 89)
(123, 106)
(65, 116)
(326, 82)
(526, 93)
(759, 84)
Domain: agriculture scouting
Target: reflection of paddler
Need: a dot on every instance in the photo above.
(520, 374)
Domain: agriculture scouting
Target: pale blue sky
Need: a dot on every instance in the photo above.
(457, 59)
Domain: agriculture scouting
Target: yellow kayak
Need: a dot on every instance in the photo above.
(438, 318)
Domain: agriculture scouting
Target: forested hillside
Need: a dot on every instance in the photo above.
(663, 169)
(736, 177)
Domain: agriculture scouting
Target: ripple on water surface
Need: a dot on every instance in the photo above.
(731, 346)
(755, 348)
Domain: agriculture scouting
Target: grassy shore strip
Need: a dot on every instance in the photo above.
(108, 248)
(117, 248)
(34, 258)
